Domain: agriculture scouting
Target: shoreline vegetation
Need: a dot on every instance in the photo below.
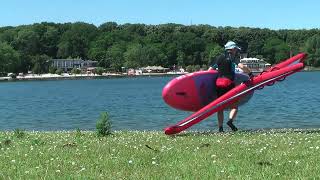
(63, 76)
(266, 154)
(42, 47)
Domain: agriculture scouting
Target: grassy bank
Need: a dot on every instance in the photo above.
(153, 155)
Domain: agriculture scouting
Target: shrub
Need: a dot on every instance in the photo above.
(189, 69)
(19, 133)
(103, 125)
(197, 67)
(204, 67)
(52, 70)
(59, 71)
(99, 70)
(75, 71)
(78, 133)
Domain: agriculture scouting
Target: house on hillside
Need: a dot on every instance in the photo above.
(69, 64)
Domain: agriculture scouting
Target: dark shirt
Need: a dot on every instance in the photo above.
(226, 66)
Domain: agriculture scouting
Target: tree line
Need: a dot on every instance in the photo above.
(30, 47)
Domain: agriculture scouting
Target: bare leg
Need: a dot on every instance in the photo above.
(220, 120)
(232, 116)
(233, 113)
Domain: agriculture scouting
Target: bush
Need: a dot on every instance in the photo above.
(197, 67)
(52, 70)
(99, 70)
(189, 68)
(19, 133)
(75, 71)
(204, 67)
(103, 125)
(78, 133)
(59, 71)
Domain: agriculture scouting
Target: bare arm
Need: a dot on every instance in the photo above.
(244, 68)
(215, 66)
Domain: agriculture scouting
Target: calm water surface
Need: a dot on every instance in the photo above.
(136, 104)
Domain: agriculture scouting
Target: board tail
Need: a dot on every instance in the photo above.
(272, 75)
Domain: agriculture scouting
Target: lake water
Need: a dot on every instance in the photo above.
(136, 104)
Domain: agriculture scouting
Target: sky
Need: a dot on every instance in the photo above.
(272, 14)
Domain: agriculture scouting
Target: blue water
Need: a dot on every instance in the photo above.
(136, 104)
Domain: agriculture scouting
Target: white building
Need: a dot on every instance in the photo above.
(68, 64)
(255, 64)
(155, 69)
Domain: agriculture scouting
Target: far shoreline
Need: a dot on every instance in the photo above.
(66, 76)
(44, 77)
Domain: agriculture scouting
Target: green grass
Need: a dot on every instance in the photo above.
(153, 155)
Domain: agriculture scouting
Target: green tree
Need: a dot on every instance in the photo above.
(107, 47)
(115, 45)
(108, 27)
(75, 41)
(181, 58)
(41, 64)
(312, 47)
(216, 51)
(99, 70)
(8, 35)
(115, 56)
(155, 55)
(103, 125)
(276, 50)
(49, 41)
(52, 70)
(255, 48)
(170, 50)
(134, 56)
(27, 41)
(9, 59)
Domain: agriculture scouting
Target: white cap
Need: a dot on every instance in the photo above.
(231, 45)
